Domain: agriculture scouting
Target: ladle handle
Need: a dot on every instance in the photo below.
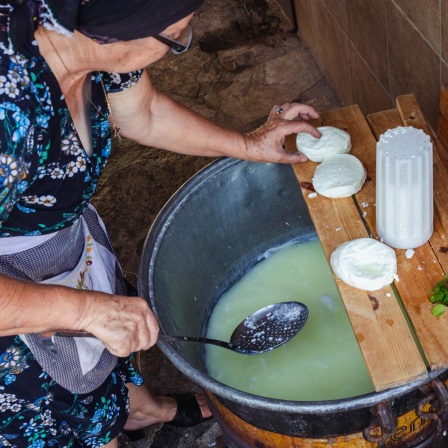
(164, 337)
(228, 345)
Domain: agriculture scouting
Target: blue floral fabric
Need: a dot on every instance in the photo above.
(46, 177)
(43, 414)
(46, 182)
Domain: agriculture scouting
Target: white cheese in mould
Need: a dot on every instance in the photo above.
(333, 141)
(364, 263)
(339, 176)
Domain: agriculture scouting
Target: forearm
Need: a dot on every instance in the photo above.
(179, 129)
(152, 119)
(27, 307)
(124, 324)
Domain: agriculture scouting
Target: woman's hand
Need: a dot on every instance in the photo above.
(266, 144)
(124, 324)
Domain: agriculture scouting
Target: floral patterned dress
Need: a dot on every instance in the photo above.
(46, 182)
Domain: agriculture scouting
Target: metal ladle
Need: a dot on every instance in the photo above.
(262, 331)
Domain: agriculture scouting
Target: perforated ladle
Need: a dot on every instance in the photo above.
(262, 331)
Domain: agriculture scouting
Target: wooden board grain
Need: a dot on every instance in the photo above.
(442, 124)
(386, 342)
(419, 274)
(411, 115)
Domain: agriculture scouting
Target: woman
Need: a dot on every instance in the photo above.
(71, 74)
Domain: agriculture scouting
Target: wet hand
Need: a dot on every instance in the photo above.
(266, 144)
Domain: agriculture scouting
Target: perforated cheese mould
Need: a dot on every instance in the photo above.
(404, 187)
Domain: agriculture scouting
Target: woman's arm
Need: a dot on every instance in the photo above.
(149, 117)
(124, 324)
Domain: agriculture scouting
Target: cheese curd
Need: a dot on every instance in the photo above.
(333, 141)
(364, 263)
(339, 176)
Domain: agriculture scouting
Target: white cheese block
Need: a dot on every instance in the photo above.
(339, 176)
(364, 263)
(333, 141)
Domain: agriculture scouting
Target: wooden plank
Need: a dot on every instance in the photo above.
(380, 122)
(386, 342)
(419, 274)
(412, 116)
(442, 124)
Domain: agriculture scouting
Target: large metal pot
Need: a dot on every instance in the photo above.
(216, 227)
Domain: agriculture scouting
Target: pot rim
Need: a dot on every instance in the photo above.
(288, 406)
(145, 289)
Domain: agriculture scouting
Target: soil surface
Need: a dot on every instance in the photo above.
(245, 58)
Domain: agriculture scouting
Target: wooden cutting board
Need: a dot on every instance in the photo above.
(394, 354)
(429, 264)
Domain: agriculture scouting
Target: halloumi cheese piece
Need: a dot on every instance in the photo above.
(364, 263)
(333, 141)
(339, 176)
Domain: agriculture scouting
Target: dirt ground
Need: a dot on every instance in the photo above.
(245, 58)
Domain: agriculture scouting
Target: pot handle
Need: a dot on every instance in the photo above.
(436, 394)
(385, 419)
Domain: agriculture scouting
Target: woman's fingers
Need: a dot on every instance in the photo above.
(291, 111)
(124, 324)
(294, 127)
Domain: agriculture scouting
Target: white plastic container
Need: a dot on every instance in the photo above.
(404, 187)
